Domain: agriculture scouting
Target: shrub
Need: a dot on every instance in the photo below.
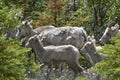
(110, 67)
(13, 60)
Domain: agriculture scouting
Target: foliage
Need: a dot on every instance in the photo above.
(99, 11)
(110, 67)
(114, 12)
(8, 19)
(13, 60)
(93, 14)
(84, 63)
(57, 13)
(54, 13)
(27, 6)
(81, 78)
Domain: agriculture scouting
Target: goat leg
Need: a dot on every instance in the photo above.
(49, 69)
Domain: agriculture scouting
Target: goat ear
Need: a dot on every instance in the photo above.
(30, 24)
(94, 41)
(24, 22)
(117, 26)
(93, 37)
(89, 38)
(41, 39)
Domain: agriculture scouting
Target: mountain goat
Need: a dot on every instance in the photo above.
(91, 49)
(110, 32)
(75, 36)
(49, 54)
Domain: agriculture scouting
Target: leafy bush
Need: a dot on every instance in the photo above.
(13, 60)
(110, 67)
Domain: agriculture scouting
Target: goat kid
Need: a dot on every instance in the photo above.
(47, 55)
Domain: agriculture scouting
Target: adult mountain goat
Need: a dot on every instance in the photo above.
(14, 32)
(55, 36)
(49, 54)
(75, 36)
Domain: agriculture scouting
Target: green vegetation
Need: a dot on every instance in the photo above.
(92, 14)
(81, 78)
(13, 60)
(110, 67)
